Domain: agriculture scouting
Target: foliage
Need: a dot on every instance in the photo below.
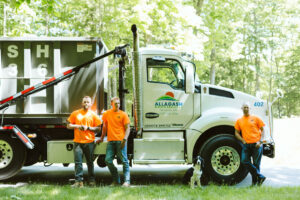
(247, 45)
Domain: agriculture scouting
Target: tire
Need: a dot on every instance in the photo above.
(101, 161)
(12, 156)
(222, 155)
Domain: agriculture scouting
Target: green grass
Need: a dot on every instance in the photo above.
(153, 191)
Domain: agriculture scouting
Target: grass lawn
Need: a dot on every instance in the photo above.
(152, 191)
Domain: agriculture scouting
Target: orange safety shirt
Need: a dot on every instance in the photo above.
(86, 118)
(250, 127)
(115, 124)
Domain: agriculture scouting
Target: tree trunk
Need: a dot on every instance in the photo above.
(47, 22)
(198, 6)
(257, 75)
(109, 92)
(271, 76)
(257, 61)
(114, 86)
(213, 65)
(4, 19)
(277, 80)
(244, 66)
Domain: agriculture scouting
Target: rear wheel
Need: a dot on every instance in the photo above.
(12, 156)
(222, 155)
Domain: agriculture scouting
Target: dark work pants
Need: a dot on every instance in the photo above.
(86, 149)
(248, 151)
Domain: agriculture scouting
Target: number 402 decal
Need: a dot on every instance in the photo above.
(259, 104)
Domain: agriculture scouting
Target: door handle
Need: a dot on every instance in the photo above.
(151, 115)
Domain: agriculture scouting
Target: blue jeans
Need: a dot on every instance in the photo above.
(86, 149)
(114, 149)
(248, 151)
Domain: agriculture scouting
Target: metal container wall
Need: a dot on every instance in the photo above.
(25, 62)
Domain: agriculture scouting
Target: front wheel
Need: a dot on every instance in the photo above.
(12, 156)
(222, 155)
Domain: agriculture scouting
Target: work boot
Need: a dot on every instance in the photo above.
(254, 181)
(260, 180)
(113, 184)
(92, 183)
(77, 184)
(126, 184)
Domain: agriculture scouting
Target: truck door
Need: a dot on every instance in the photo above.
(166, 106)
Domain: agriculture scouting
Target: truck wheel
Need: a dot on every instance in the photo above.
(12, 156)
(222, 155)
(101, 161)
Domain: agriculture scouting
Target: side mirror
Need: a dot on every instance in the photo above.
(189, 79)
(280, 94)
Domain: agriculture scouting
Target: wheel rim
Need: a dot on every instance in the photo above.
(225, 160)
(6, 154)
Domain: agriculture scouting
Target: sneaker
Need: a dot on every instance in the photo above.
(260, 180)
(254, 181)
(254, 184)
(77, 184)
(114, 184)
(92, 183)
(126, 184)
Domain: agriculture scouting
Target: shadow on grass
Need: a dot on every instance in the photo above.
(65, 176)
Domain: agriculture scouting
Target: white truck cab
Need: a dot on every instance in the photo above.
(179, 123)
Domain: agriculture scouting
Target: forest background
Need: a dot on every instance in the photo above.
(247, 45)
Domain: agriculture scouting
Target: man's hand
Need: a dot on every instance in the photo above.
(123, 143)
(99, 140)
(258, 144)
(238, 136)
(83, 128)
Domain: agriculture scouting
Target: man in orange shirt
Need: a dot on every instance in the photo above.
(117, 125)
(251, 128)
(84, 122)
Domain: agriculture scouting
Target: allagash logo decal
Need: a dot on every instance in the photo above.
(168, 101)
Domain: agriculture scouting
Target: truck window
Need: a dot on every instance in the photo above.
(166, 72)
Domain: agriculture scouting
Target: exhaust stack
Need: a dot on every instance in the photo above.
(137, 80)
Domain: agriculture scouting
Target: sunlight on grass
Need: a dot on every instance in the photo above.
(83, 197)
(29, 191)
(55, 191)
(117, 195)
(152, 191)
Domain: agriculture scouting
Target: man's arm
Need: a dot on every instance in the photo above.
(73, 126)
(127, 132)
(239, 137)
(95, 129)
(262, 134)
(259, 143)
(103, 133)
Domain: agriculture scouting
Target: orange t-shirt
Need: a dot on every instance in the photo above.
(87, 118)
(115, 122)
(250, 127)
